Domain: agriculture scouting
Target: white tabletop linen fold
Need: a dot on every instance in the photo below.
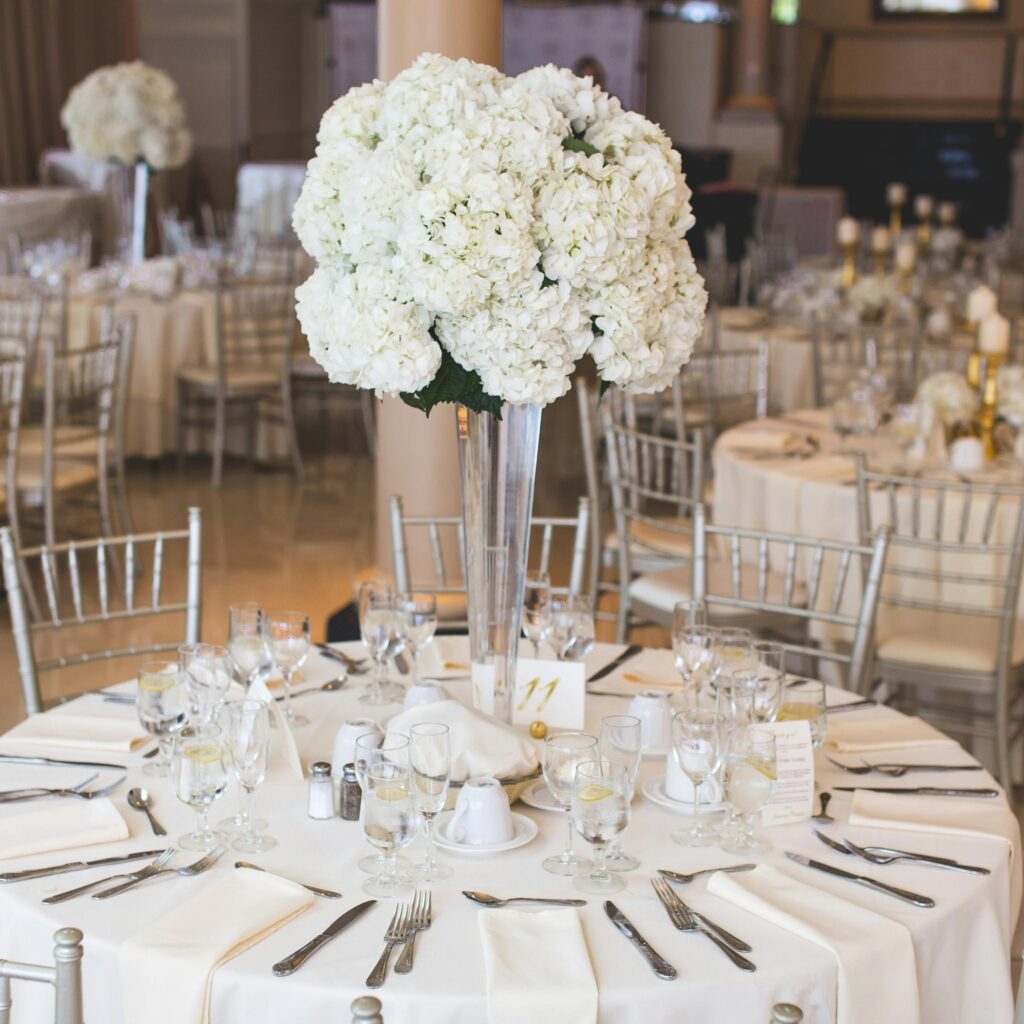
(538, 968)
(74, 732)
(167, 968)
(446, 657)
(850, 736)
(64, 824)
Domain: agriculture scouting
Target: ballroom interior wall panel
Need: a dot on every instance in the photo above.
(684, 71)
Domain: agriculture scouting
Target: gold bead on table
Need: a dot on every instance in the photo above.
(538, 730)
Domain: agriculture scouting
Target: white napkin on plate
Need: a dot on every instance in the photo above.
(63, 825)
(480, 745)
(537, 967)
(652, 669)
(167, 967)
(849, 736)
(77, 732)
(877, 974)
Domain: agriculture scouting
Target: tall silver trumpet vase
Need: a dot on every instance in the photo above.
(498, 464)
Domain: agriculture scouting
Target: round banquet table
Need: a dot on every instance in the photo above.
(961, 947)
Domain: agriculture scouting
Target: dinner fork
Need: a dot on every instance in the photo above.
(144, 872)
(420, 918)
(188, 871)
(885, 855)
(14, 796)
(397, 932)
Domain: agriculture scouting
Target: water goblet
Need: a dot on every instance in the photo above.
(697, 737)
(161, 711)
(736, 649)
(750, 772)
(688, 614)
(734, 697)
(286, 637)
(697, 657)
(574, 626)
(599, 813)
(247, 743)
(377, 627)
(804, 699)
(372, 750)
(620, 742)
(418, 616)
(389, 823)
(207, 681)
(201, 780)
(249, 657)
(430, 758)
(537, 609)
(562, 754)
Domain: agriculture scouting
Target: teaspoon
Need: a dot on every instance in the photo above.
(487, 900)
(142, 801)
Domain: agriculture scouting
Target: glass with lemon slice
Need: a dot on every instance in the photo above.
(600, 812)
(390, 818)
(201, 781)
(161, 710)
(750, 773)
(804, 699)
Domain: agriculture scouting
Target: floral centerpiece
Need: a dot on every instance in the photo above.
(870, 296)
(946, 399)
(475, 236)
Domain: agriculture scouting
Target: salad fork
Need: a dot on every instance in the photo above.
(14, 796)
(398, 931)
(885, 855)
(188, 871)
(151, 868)
(421, 915)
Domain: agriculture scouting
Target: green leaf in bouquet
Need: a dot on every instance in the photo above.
(453, 383)
(576, 145)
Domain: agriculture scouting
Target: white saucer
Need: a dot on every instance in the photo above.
(523, 830)
(655, 792)
(539, 797)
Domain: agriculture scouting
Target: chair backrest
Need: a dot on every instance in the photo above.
(12, 389)
(120, 332)
(21, 313)
(66, 575)
(725, 386)
(65, 976)
(830, 598)
(255, 325)
(769, 255)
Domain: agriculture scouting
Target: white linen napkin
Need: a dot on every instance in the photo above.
(447, 657)
(284, 754)
(537, 968)
(480, 745)
(167, 967)
(64, 825)
(72, 731)
(848, 736)
(877, 975)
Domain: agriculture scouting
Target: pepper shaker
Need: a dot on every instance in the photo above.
(351, 794)
(321, 791)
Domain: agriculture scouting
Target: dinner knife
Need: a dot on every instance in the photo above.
(853, 705)
(75, 865)
(630, 652)
(890, 890)
(301, 955)
(53, 762)
(921, 790)
(661, 967)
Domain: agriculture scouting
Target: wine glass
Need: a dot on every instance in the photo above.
(620, 742)
(418, 615)
(373, 749)
(207, 681)
(249, 657)
(804, 699)
(430, 758)
(286, 637)
(158, 703)
(734, 697)
(688, 614)
(377, 628)
(562, 754)
(736, 649)
(599, 812)
(389, 822)
(247, 742)
(750, 772)
(697, 737)
(537, 609)
(201, 781)
(572, 627)
(697, 658)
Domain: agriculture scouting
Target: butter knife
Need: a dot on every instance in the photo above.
(661, 967)
(52, 762)
(890, 890)
(630, 652)
(921, 790)
(75, 865)
(301, 955)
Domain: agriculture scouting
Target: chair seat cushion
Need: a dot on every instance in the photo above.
(68, 440)
(67, 474)
(671, 546)
(239, 378)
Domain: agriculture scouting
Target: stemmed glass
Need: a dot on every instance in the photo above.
(378, 629)
(372, 750)
(249, 656)
(734, 697)
(201, 780)
(750, 773)
(286, 637)
(207, 681)
(418, 615)
(697, 657)
(572, 627)
(562, 755)
(430, 758)
(688, 614)
(158, 703)
(537, 609)
(736, 649)
(247, 739)
(805, 699)
(600, 811)
(620, 743)
(766, 681)
(389, 823)
(697, 736)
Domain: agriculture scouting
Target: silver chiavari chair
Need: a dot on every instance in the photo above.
(310, 380)
(769, 256)
(450, 588)
(840, 352)
(761, 597)
(950, 596)
(70, 609)
(718, 389)
(65, 976)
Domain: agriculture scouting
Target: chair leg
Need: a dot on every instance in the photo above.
(291, 434)
(124, 512)
(182, 399)
(251, 426)
(219, 429)
(1004, 773)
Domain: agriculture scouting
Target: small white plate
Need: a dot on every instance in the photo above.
(539, 797)
(655, 792)
(523, 830)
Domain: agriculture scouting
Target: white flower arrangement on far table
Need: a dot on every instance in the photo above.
(1010, 394)
(477, 234)
(949, 397)
(871, 295)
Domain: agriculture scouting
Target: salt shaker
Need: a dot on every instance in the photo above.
(786, 1013)
(321, 791)
(351, 794)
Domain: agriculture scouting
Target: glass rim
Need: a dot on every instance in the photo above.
(757, 734)
(246, 606)
(701, 714)
(240, 703)
(146, 668)
(421, 729)
(382, 737)
(573, 735)
(416, 597)
(597, 769)
(207, 650)
(621, 721)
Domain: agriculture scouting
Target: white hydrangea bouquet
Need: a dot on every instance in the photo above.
(128, 112)
(948, 397)
(477, 234)
(870, 296)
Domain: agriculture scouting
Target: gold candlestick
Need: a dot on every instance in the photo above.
(983, 372)
(849, 266)
(924, 235)
(881, 259)
(895, 219)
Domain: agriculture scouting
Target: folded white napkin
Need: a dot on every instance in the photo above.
(877, 976)
(284, 754)
(537, 967)
(78, 732)
(763, 439)
(447, 657)
(848, 736)
(167, 967)
(64, 824)
(480, 745)
(652, 669)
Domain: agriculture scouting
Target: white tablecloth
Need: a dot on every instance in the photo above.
(266, 195)
(961, 947)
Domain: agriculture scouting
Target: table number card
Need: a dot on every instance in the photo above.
(553, 692)
(793, 799)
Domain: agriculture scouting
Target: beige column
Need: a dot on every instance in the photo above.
(750, 74)
(417, 456)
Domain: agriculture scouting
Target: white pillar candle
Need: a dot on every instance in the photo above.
(896, 193)
(981, 302)
(923, 206)
(881, 239)
(847, 231)
(994, 335)
(906, 256)
(947, 213)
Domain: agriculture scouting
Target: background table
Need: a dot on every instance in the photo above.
(37, 213)
(962, 946)
(266, 195)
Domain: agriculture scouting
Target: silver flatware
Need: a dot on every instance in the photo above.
(630, 652)
(15, 796)
(854, 705)
(485, 899)
(608, 693)
(188, 871)
(118, 698)
(823, 817)
(142, 801)
(355, 666)
(398, 932)
(897, 771)
(327, 894)
(834, 844)
(725, 936)
(329, 687)
(683, 879)
(145, 872)
(661, 967)
(420, 919)
(301, 955)
(885, 855)
(923, 790)
(74, 865)
(890, 890)
(402, 664)
(56, 762)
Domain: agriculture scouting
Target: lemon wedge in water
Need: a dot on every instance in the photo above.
(594, 792)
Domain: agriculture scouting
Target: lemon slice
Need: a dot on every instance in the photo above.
(594, 792)
(158, 684)
(392, 793)
(767, 770)
(205, 754)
